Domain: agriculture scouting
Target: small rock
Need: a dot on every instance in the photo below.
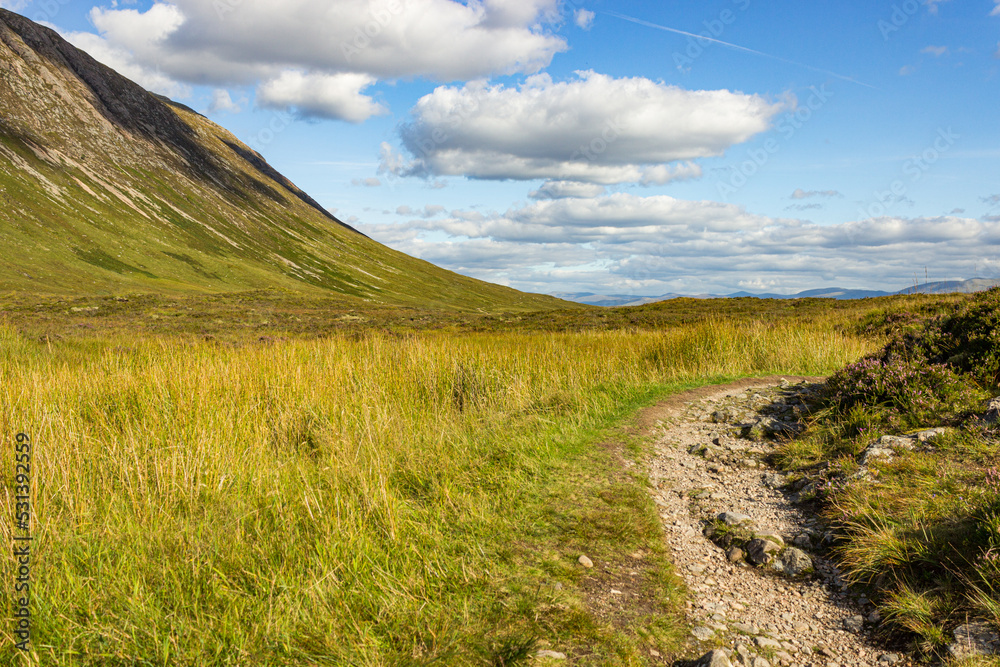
(702, 634)
(744, 628)
(930, 435)
(854, 623)
(793, 562)
(760, 662)
(767, 642)
(552, 655)
(734, 518)
(771, 537)
(974, 640)
(586, 562)
(889, 659)
(773, 480)
(734, 554)
(714, 658)
(761, 552)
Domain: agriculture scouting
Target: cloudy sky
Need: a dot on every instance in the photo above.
(627, 146)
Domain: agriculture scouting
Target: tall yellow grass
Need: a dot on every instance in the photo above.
(337, 500)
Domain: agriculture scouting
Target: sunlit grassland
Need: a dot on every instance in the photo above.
(361, 500)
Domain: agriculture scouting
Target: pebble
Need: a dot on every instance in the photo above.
(586, 562)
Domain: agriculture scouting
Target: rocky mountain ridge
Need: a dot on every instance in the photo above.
(107, 188)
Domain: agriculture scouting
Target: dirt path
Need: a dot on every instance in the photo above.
(709, 461)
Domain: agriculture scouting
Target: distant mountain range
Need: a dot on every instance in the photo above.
(943, 287)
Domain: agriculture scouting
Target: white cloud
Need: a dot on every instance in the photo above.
(936, 51)
(566, 189)
(593, 129)
(290, 47)
(334, 96)
(237, 41)
(648, 245)
(802, 194)
(13, 5)
(584, 18)
(932, 5)
(223, 102)
(428, 211)
(996, 9)
(370, 182)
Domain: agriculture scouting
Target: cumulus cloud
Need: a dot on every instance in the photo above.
(592, 129)
(333, 96)
(243, 42)
(649, 245)
(428, 211)
(584, 18)
(803, 194)
(566, 189)
(936, 51)
(223, 102)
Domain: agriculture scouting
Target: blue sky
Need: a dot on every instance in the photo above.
(591, 145)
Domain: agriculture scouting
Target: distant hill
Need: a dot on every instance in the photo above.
(106, 188)
(943, 287)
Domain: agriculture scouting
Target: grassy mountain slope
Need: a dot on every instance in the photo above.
(106, 188)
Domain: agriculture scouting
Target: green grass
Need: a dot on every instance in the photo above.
(365, 498)
(922, 531)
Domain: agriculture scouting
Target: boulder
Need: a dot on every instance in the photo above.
(974, 640)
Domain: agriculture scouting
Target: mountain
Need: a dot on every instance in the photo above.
(106, 188)
(943, 287)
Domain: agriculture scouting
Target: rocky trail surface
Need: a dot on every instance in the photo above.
(744, 539)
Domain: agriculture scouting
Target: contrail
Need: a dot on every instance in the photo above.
(738, 47)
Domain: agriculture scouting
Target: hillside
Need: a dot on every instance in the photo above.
(107, 188)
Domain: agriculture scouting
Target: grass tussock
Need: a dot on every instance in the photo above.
(360, 499)
(922, 529)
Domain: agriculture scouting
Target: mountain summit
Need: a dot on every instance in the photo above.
(108, 188)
